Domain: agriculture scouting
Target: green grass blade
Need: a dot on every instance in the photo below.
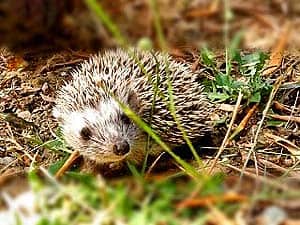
(172, 109)
(161, 38)
(186, 166)
(96, 7)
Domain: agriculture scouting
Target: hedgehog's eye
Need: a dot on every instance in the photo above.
(125, 119)
(86, 133)
(106, 70)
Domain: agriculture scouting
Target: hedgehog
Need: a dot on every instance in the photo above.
(89, 106)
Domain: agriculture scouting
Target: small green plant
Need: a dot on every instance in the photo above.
(247, 77)
(57, 145)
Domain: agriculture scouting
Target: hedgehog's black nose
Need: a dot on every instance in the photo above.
(121, 148)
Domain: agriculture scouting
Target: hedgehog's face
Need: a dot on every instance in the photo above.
(104, 133)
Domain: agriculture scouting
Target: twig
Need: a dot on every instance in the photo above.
(272, 165)
(268, 105)
(279, 185)
(281, 107)
(211, 10)
(285, 118)
(225, 140)
(291, 147)
(67, 164)
(153, 164)
(206, 200)
(293, 109)
(278, 50)
(244, 122)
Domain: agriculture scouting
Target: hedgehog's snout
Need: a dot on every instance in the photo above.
(121, 148)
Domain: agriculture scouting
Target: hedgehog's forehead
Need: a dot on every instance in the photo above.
(105, 110)
(108, 107)
(106, 113)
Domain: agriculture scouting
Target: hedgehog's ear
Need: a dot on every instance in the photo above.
(134, 102)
